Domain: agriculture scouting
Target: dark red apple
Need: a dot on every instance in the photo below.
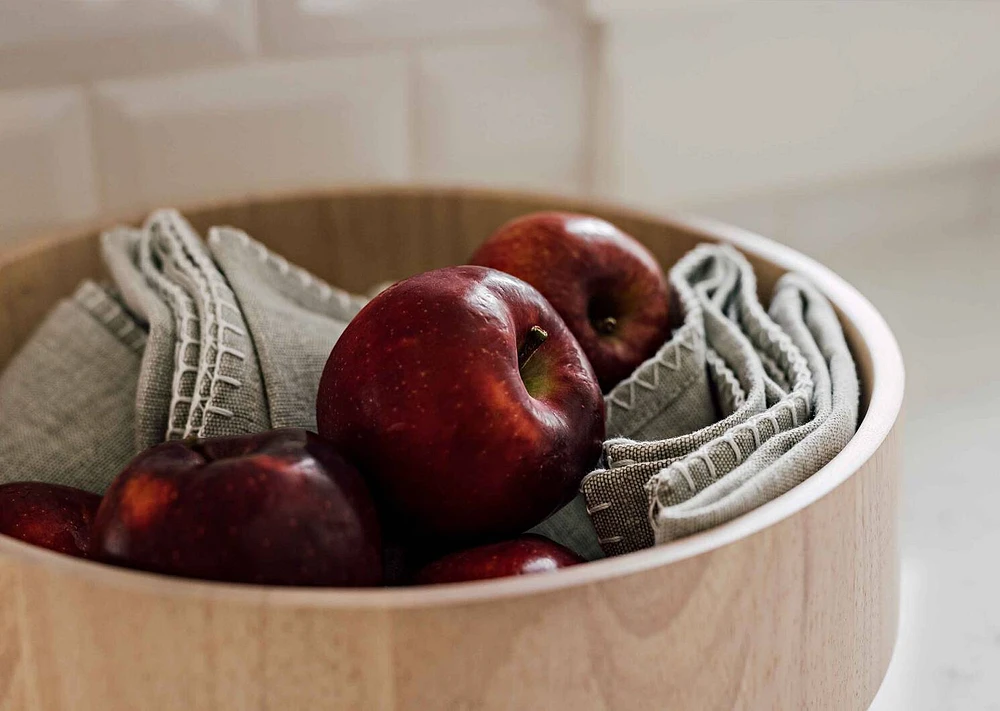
(607, 287)
(466, 401)
(280, 507)
(521, 556)
(48, 515)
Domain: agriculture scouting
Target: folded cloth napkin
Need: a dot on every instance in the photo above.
(738, 407)
(67, 399)
(195, 339)
(226, 337)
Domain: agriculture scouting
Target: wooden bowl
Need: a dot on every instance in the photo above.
(791, 606)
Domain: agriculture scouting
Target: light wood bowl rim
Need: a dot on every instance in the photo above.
(888, 381)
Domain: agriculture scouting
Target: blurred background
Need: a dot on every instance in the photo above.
(865, 133)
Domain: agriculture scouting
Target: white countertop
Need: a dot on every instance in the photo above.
(941, 294)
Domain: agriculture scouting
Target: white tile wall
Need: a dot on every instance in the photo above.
(296, 26)
(866, 134)
(616, 9)
(990, 181)
(49, 41)
(752, 96)
(265, 126)
(744, 110)
(46, 169)
(508, 113)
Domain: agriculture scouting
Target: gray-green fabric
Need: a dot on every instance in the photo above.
(197, 339)
(779, 399)
(67, 399)
(294, 318)
(787, 456)
(120, 249)
(194, 340)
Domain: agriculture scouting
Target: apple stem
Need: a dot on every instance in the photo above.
(606, 326)
(535, 338)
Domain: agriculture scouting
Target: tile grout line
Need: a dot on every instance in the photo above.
(592, 109)
(414, 113)
(97, 160)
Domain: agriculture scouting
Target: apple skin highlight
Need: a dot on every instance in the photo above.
(608, 288)
(526, 555)
(49, 515)
(280, 507)
(461, 442)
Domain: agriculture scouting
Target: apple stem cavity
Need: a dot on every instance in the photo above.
(535, 338)
(606, 326)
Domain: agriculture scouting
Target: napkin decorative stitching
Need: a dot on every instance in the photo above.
(348, 303)
(685, 339)
(120, 322)
(209, 328)
(732, 382)
(729, 438)
(183, 253)
(185, 320)
(220, 298)
(680, 468)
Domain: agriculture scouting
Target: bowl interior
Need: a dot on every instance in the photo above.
(351, 238)
(356, 238)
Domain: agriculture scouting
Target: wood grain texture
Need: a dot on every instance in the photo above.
(792, 606)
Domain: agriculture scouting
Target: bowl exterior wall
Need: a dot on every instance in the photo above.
(799, 614)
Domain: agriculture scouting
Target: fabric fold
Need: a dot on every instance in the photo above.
(67, 398)
(765, 374)
(294, 321)
(225, 337)
(194, 340)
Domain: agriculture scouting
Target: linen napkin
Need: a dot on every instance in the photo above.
(739, 406)
(67, 399)
(220, 337)
(194, 339)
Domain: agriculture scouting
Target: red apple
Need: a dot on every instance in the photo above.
(48, 515)
(466, 401)
(280, 507)
(521, 556)
(607, 287)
